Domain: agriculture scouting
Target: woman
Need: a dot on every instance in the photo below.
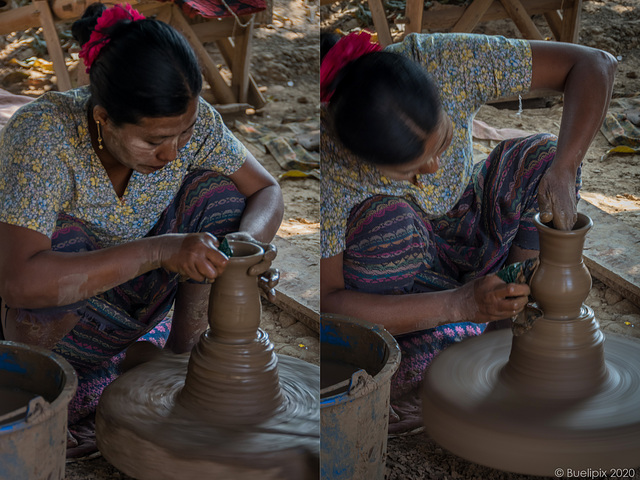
(113, 200)
(413, 233)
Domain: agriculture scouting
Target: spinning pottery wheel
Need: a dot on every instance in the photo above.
(557, 399)
(233, 410)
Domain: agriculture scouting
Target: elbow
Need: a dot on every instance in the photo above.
(17, 292)
(607, 64)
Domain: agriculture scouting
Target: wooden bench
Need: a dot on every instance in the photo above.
(232, 37)
(562, 16)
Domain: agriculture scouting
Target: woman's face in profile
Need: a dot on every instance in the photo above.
(429, 162)
(152, 143)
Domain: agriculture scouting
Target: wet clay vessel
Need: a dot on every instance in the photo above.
(558, 397)
(232, 410)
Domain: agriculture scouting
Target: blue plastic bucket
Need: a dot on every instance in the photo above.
(36, 386)
(358, 360)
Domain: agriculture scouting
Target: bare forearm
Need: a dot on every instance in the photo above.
(587, 93)
(49, 278)
(263, 213)
(400, 314)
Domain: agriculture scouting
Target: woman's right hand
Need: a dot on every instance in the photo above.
(489, 298)
(192, 255)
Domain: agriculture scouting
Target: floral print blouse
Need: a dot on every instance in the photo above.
(469, 70)
(48, 167)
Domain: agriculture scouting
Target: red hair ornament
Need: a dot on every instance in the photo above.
(98, 38)
(346, 50)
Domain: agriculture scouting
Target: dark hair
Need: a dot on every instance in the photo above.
(327, 41)
(147, 69)
(383, 108)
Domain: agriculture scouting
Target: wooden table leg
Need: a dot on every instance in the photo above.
(571, 22)
(241, 62)
(413, 13)
(221, 90)
(471, 16)
(380, 22)
(521, 18)
(53, 45)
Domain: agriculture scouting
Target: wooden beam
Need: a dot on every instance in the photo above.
(521, 18)
(215, 29)
(414, 12)
(612, 252)
(53, 45)
(298, 292)
(18, 19)
(379, 18)
(444, 17)
(471, 16)
(241, 62)
(219, 87)
(571, 22)
(254, 95)
(554, 20)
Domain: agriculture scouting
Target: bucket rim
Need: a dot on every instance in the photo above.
(68, 389)
(389, 368)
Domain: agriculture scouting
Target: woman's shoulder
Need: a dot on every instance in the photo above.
(443, 46)
(50, 111)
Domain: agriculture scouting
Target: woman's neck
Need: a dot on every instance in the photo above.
(117, 173)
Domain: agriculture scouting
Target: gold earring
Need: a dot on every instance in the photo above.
(99, 135)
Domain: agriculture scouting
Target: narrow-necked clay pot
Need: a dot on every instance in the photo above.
(562, 281)
(232, 377)
(234, 304)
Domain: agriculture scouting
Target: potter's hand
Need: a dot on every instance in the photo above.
(557, 198)
(488, 298)
(268, 281)
(193, 255)
(268, 277)
(270, 251)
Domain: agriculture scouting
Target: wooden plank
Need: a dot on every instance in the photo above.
(219, 87)
(18, 19)
(571, 22)
(521, 18)
(215, 29)
(612, 252)
(443, 17)
(254, 95)
(414, 13)
(379, 18)
(53, 45)
(471, 16)
(241, 62)
(298, 292)
(554, 20)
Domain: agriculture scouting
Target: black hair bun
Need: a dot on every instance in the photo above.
(327, 41)
(81, 29)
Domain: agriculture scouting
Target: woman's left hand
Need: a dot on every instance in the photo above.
(557, 198)
(268, 277)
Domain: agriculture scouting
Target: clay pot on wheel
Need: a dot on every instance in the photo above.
(562, 281)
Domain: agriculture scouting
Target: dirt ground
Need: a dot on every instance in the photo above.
(285, 65)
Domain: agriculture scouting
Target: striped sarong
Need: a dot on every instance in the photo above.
(394, 248)
(137, 309)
